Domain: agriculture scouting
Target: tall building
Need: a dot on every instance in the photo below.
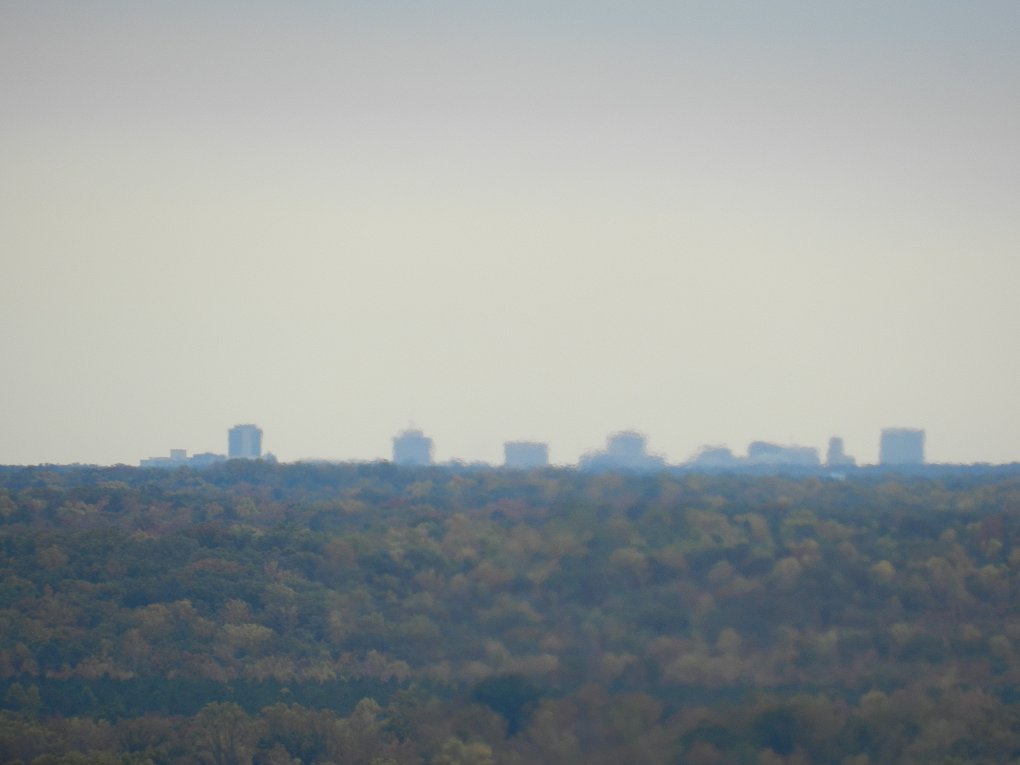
(525, 454)
(244, 442)
(626, 445)
(625, 450)
(901, 446)
(412, 447)
(837, 456)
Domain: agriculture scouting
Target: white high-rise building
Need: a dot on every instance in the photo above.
(901, 446)
(244, 442)
(412, 447)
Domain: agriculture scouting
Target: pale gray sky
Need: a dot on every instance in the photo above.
(712, 221)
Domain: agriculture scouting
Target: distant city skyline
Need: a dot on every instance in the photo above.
(624, 450)
(713, 223)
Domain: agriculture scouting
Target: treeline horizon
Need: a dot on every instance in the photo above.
(253, 612)
(740, 467)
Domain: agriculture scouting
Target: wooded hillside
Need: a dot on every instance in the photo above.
(369, 614)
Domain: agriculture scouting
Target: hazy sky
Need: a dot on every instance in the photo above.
(710, 221)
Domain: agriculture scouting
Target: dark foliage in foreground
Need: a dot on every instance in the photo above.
(369, 614)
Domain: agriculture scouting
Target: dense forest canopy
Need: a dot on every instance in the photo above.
(260, 613)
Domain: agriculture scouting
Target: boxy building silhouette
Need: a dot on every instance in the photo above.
(244, 442)
(901, 446)
(412, 447)
(523, 455)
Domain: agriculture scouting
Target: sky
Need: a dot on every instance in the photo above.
(713, 222)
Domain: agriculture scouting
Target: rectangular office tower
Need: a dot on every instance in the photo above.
(412, 447)
(244, 442)
(523, 455)
(901, 446)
